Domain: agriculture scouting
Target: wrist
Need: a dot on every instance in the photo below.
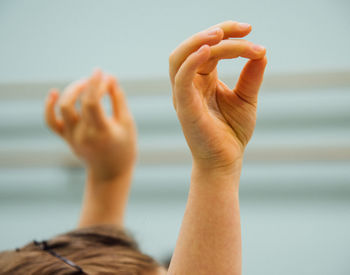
(223, 176)
(218, 169)
(106, 173)
(105, 199)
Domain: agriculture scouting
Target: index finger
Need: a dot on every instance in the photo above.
(92, 109)
(234, 29)
(231, 48)
(211, 36)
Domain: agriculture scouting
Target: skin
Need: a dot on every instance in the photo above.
(217, 123)
(107, 145)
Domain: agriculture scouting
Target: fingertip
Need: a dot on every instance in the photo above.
(96, 75)
(258, 48)
(216, 32)
(53, 95)
(97, 71)
(201, 55)
(54, 91)
(114, 81)
(204, 49)
(105, 77)
(244, 27)
(94, 80)
(258, 51)
(108, 78)
(264, 60)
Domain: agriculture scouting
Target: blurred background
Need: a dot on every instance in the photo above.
(295, 185)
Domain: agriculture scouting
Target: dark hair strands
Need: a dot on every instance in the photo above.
(98, 250)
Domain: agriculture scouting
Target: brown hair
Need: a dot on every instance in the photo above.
(98, 250)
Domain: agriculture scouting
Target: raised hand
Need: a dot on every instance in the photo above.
(106, 144)
(217, 121)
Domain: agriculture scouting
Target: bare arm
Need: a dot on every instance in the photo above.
(105, 200)
(210, 236)
(217, 123)
(107, 145)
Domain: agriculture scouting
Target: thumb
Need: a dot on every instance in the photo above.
(250, 80)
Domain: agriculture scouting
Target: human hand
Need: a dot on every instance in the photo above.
(217, 121)
(106, 144)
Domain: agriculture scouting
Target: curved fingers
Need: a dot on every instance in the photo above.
(118, 100)
(232, 48)
(234, 29)
(55, 124)
(192, 44)
(67, 103)
(211, 36)
(184, 78)
(92, 109)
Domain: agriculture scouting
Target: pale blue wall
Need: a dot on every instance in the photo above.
(66, 39)
(295, 214)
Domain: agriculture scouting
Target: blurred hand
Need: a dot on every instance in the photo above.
(217, 121)
(106, 144)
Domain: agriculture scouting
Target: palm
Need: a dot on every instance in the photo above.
(223, 119)
(217, 122)
(239, 114)
(107, 143)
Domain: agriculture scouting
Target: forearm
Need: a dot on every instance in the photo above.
(210, 237)
(105, 200)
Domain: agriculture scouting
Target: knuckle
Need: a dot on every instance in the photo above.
(227, 23)
(246, 43)
(243, 46)
(199, 38)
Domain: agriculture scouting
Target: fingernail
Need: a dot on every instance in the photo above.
(258, 48)
(214, 32)
(243, 26)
